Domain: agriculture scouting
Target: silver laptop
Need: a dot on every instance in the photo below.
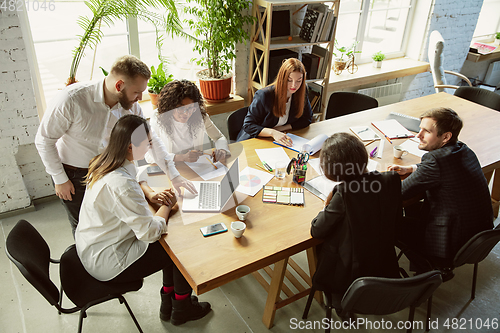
(212, 195)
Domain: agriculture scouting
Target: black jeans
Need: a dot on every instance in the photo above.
(155, 259)
(76, 176)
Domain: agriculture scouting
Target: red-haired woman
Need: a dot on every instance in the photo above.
(279, 107)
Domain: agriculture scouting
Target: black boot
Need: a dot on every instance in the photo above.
(188, 309)
(166, 304)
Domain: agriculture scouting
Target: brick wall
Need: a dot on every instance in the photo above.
(456, 21)
(23, 175)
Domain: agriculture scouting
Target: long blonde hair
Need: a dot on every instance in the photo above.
(281, 88)
(115, 154)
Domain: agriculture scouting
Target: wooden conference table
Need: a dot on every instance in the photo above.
(276, 232)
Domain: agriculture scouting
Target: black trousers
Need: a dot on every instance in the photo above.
(155, 259)
(76, 176)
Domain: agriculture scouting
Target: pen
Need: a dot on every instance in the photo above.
(260, 166)
(267, 166)
(374, 151)
(369, 143)
(388, 139)
(215, 166)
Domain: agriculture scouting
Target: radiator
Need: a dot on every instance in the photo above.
(388, 94)
(492, 77)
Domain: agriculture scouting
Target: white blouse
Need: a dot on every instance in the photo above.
(115, 224)
(283, 119)
(198, 142)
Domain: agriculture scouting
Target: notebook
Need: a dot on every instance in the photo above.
(364, 133)
(316, 143)
(212, 195)
(392, 129)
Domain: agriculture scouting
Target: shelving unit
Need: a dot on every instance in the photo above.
(261, 41)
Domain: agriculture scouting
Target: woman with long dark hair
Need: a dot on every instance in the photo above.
(359, 220)
(183, 124)
(117, 236)
(279, 107)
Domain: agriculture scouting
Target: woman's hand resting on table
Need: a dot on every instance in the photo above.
(165, 197)
(282, 138)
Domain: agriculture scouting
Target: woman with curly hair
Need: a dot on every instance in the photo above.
(183, 124)
(281, 106)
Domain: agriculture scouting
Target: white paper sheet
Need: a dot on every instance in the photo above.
(412, 147)
(314, 163)
(322, 184)
(205, 169)
(272, 155)
(252, 181)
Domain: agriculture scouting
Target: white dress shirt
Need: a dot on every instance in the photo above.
(115, 224)
(76, 127)
(199, 142)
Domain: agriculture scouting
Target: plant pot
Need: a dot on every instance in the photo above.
(339, 65)
(377, 64)
(215, 90)
(154, 99)
(497, 41)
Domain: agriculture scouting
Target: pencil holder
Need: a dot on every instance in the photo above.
(299, 175)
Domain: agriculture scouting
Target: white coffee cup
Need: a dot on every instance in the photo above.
(238, 228)
(399, 151)
(280, 170)
(242, 212)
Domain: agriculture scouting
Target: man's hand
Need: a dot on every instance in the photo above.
(282, 138)
(165, 197)
(180, 181)
(401, 170)
(65, 190)
(219, 155)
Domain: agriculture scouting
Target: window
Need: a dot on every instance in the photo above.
(488, 22)
(55, 37)
(378, 25)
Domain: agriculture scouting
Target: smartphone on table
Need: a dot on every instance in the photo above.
(213, 229)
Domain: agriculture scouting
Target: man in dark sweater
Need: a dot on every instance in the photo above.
(456, 202)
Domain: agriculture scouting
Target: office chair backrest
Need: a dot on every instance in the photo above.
(30, 253)
(381, 296)
(480, 96)
(435, 53)
(347, 102)
(478, 247)
(235, 122)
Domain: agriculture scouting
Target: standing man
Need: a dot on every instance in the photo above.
(77, 124)
(457, 201)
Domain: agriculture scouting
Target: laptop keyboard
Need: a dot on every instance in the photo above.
(208, 195)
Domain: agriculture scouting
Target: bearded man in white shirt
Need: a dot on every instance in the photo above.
(77, 124)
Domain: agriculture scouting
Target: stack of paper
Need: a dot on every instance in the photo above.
(392, 129)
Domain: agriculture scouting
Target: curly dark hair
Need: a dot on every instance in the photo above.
(171, 97)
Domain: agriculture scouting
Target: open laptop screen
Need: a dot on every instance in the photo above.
(229, 183)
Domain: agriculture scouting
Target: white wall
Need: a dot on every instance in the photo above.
(23, 175)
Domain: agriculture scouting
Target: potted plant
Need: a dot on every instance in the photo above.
(377, 59)
(107, 12)
(342, 55)
(497, 38)
(157, 81)
(218, 26)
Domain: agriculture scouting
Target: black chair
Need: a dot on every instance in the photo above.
(30, 253)
(480, 96)
(235, 122)
(346, 102)
(473, 252)
(383, 296)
